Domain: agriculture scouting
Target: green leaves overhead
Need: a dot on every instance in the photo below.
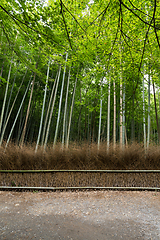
(91, 31)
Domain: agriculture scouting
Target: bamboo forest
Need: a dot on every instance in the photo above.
(77, 76)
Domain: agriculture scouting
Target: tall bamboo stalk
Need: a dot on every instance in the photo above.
(155, 104)
(114, 120)
(52, 107)
(149, 106)
(6, 122)
(28, 109)
(121, 102)
(132, 121)
(5, 97)
(2, 70)
(60, 104)
(70, 117)
(123, 118)
(100, 118)
(44, 100)
(108, 118)
(48, 109)
(158, 98)
(10, 95)
(65, 110)
(144, 119)
(17, 114)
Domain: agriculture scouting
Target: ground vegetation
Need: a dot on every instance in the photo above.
(83, 72)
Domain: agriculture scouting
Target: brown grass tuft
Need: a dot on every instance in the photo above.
(82, 156)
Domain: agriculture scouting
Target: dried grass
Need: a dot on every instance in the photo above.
(82, 156)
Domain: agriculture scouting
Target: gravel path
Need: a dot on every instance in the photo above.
(89, 215)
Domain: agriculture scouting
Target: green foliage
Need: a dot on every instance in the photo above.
(109, 40)
(2, 80)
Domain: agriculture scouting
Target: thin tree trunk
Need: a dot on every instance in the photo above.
(60, 104)
(48, 109)
(88, 123)
(144, 120)
(49, 121)
(85, 133)
(108, 118)
(79, 119)
(2, 70)
(30, 121)
(65, 111)
(126, 141)
(93, 131)
(123, 118)
(70, 117)
(155, 104)
(6, 113)
(6, 122)
(139, 132)
(114, 121)
(44, 100)
(5, 97)
(149, 119)
(20, 125)
(103, 128)
(28, 109)
(100, 119)
(158, 98)
(121, 102)
(17, 114)
(32, 132)
(132, 121)
(90, 136)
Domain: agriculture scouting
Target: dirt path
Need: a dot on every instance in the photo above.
(88, 215)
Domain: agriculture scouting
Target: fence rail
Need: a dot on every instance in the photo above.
(81, 188)
(90, 171)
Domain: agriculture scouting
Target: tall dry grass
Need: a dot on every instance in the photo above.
(78, 156)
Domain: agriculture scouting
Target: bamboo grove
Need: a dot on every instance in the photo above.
(79, 71)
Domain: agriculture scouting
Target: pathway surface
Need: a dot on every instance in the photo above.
(89, 215)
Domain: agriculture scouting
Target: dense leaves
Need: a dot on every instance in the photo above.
(106, 41)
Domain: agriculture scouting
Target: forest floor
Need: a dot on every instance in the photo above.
(88, 215)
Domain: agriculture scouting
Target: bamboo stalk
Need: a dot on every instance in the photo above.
(15, 120)
(5, 96)
(71, 110)
(44, 100)
(100, 118)
(53, 103)
(65, 110)
(60, 104)
(8, 117)
(108, 118)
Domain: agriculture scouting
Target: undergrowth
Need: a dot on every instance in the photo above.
(78, 156)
